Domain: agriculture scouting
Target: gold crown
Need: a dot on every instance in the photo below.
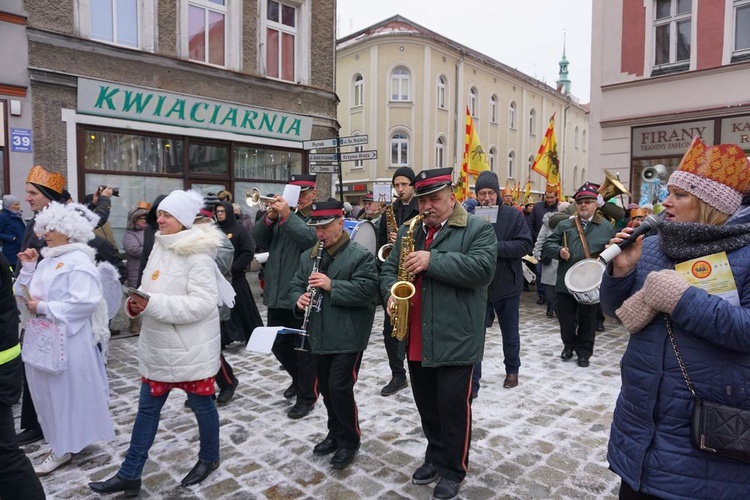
(50, 180)
(724, 163)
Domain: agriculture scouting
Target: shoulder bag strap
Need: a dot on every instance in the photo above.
(689, 382)
(579, 226)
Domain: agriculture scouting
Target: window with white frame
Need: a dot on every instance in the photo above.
(399, 150)
(742, 27)
(441, 85)
(359, 163)
(532, 122)
(512, 115)
(114, 21)
(359, 91)
(440, 153)
(583, 140)
(400, 80)
(473, 94)
(672, 26)
(493, 109)
(511, 164)
(575, 138)
(206, 31)
(491, 158)
(281, 40)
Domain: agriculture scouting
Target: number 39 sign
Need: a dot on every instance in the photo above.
(20, 140)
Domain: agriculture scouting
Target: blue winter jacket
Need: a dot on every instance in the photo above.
(649, 444)
(11, 234)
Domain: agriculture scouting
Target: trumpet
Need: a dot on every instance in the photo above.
(253, 198)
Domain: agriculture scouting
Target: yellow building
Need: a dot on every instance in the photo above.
(407, 88)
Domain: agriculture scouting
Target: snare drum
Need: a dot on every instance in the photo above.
(363, 232)
(583, 280)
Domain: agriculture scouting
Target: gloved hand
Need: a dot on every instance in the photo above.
(665, 289)
(636, 312)
(600, 201)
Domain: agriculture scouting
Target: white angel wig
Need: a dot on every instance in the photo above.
(183, 206)
(73, 220)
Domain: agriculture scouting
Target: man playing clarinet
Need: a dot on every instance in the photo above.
(337, 291)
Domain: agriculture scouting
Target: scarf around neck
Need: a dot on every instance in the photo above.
(683, 241)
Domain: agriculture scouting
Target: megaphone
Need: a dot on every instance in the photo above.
(657, 171)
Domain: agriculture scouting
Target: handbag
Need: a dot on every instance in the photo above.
(44, 346)
(715, 428)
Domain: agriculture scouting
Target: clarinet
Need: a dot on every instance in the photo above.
(311, 292)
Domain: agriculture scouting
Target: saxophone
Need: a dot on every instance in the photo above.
(403, 290)
(392, 227)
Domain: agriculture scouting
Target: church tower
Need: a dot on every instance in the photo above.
(563, 82)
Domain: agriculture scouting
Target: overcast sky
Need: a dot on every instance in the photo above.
(525, 34)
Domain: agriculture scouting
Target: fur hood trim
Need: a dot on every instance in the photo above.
(201, 238)
(50, 252)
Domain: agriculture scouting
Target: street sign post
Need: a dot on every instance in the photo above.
(324, 168)
(360, 155)
(333, 142)
(353, 140)
(324, 157)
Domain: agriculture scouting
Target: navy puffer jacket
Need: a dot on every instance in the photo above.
(650, 445)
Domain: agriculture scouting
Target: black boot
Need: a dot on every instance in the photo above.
(199, 472)
(129, 487)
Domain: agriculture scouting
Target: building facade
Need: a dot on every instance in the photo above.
(407, 88)
(662, 72)
(152, 96)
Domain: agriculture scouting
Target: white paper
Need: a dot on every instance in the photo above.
(262, 339)
(382, 192)
(262, 257)
(487, 213)
(291, 194)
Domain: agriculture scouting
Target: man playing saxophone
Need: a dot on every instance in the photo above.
(339, 322)
(402, 210)
(453, 260)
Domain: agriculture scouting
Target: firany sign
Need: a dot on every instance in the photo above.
(670, 140)
(147, 105)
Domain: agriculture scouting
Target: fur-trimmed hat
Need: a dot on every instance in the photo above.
(183, 206)
(73, 220)
(718, 175)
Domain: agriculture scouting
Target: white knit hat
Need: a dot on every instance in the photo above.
(183, 206)
(73, 220)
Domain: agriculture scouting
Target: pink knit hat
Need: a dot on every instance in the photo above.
(718, 175)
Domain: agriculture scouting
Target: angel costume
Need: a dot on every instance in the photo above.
(73, 405)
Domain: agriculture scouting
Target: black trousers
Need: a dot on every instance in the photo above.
(577, 324)
(394, 348)
(628, 493)
(337, 374)
(29, 420)
(443, 398)
(298, 364)
(225, 375)
(17, 477)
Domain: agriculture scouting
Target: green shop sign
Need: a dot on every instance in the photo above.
(132, 103)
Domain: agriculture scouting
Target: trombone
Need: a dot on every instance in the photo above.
(253, 198)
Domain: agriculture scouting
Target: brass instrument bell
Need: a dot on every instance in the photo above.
(612, 187)
(253, 198)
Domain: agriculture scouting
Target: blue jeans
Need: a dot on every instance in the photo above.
(147, 423)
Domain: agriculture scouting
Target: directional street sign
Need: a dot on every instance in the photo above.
(324, 157)
(360, 155)
(320, 143)
(324, 168)
(353, 140)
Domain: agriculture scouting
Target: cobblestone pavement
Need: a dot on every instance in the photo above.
(546, 438)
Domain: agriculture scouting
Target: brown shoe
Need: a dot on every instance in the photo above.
(511, 380)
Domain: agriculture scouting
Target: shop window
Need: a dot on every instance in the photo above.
(266, 164)
(122, 152)
(207, 159)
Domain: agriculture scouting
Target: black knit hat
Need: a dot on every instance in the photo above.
(403, 172)
(487, 180)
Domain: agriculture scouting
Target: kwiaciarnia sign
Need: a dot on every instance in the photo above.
(147, 105)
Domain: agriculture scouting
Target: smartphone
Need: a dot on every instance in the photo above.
(133, 291)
